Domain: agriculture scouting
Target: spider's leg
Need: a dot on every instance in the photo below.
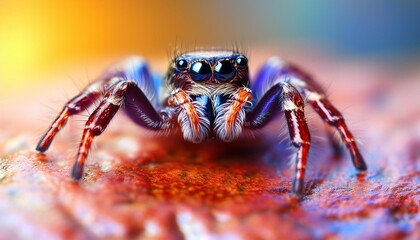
(277, 71)
(76, 105)
(136, 104)
(293, 105)
(334, 142)
(273, 71)
(97, 123)
(328, 113)
(280, 96)
(129, 84)
(133, 68)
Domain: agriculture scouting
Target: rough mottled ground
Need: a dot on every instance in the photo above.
(142, 186)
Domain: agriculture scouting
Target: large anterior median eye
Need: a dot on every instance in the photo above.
(224, 71)
(200, 71)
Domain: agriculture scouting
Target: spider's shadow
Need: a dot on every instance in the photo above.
(258, 150)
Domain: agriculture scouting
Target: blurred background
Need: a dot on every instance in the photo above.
(40, 38)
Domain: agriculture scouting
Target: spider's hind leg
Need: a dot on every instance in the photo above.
(328, 113)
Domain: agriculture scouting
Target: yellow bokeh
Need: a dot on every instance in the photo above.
(22, 43)
(39, 37)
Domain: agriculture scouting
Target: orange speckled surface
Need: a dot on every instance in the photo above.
(140, 185)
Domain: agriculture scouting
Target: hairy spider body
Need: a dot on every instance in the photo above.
(210, 97)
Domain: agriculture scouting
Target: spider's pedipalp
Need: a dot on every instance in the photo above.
(230, 116)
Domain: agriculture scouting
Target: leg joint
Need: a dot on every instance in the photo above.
(335, 120)
(300, 143)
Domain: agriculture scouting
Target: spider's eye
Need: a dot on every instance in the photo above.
(181, 64)
(200, 71)
(224, 71)
(241, 62)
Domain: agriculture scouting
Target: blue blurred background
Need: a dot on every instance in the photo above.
(37, 37)
(352, 27)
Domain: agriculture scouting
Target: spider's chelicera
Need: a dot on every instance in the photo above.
(210, 97)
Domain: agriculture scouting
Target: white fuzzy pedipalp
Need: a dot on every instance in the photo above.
(187, 126)
(220, 123)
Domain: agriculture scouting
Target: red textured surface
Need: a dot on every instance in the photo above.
(138, 185)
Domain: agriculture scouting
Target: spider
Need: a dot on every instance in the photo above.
(211, 96)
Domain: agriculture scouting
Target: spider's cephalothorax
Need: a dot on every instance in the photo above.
(210, 97)
(210, 92)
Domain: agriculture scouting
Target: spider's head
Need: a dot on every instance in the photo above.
(211, 69)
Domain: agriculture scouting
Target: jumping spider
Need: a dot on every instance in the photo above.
(211, 97)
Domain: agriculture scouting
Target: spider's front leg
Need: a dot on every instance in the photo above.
(281, 85)
(328, 113)
(284, 96)
(137, 106)
(135, 96)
